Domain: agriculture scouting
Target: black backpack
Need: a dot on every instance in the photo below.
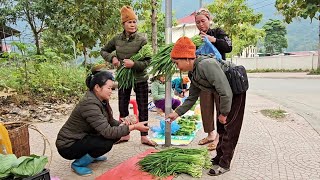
(237, 77)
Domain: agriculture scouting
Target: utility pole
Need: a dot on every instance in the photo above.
(168, 101)
(200, 3)
(318, 66)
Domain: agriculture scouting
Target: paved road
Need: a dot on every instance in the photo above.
(288, 148)
(300, 95)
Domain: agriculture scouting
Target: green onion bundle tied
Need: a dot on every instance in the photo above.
(125, 76)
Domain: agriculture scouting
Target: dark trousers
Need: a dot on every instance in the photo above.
(93, 145)
(141, 90)
(229, 133)
(207, 101)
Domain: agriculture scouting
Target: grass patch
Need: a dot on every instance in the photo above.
(274, 113)
(314, 72)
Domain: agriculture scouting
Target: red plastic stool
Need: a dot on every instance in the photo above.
(135, 108)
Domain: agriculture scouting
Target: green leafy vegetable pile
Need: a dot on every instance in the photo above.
(25, 166)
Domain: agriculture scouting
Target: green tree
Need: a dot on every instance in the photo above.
(59, 43)
(275, 39)
(34, 12)
(298, 8)
(152, 21)
(247, 35)
(87, 22)
(238, 20)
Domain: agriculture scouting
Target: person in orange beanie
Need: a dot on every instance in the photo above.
(207, 74)
(180, 86)
(118, 52)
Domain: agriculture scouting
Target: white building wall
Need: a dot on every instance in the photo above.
(305, 62)
(188, 30)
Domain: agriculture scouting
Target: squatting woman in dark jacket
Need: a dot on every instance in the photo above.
(91, 130)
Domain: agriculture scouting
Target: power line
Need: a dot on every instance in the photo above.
(255, 4)
(263, 6)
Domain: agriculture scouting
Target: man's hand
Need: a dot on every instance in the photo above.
(128, 63)
(115, 62)
(172, 116)
(222, 119)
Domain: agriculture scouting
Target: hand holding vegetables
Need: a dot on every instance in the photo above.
(115, 62)
(128, 63)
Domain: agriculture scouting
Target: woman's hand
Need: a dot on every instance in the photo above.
(140, 126)
(126, 122)
(115, 62)
(172, 116)
(211, 38)
(222, 119)
(128, 63)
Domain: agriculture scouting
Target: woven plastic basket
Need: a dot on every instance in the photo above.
(19, 137)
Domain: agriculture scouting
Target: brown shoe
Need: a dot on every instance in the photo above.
(205, 141)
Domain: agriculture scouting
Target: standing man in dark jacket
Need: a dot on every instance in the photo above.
(223, 43)
(125, 45)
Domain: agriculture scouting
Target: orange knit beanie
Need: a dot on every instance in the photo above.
(127, 14)
(184, 48)
(185, 80)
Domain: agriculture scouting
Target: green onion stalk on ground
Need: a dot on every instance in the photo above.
(161, 62)
(125, 76)
(175, 161)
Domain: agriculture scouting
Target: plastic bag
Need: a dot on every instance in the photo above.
(208, 48)
(174, 127)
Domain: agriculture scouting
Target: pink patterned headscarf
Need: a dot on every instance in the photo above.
(203, 11)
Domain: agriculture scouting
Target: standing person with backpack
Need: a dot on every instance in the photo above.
(207, 74)
(125, 45)
(223, 43)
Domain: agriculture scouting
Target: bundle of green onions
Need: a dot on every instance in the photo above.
(161, 62)
(125, 76)
(175, 161)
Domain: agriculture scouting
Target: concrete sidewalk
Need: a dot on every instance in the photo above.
(283, 75)
(267, 148)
